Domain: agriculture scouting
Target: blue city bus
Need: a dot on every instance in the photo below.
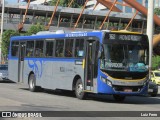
(100, 62)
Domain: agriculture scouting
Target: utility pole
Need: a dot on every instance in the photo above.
(2, 19)
(150, 31)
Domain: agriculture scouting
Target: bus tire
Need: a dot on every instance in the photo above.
(80, 94)
(32, 83)
(119, 98)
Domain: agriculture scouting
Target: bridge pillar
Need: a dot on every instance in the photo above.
(33, 18)
(95, 22)
(71, 21)
(83, 22)
(59, 17)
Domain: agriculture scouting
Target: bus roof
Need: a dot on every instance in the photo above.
(69, 34)
(59, 35)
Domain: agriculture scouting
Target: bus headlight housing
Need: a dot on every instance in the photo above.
(109, 83)
(103, 79)
(106, 81)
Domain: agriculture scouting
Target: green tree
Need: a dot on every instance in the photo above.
(157, 11)
(155, 62)
(6, 40)
(65, 3)
(35, 28)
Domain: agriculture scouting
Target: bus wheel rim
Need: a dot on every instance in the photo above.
(79, 89)
(31, 83)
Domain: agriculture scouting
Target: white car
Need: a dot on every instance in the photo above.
(3, 72)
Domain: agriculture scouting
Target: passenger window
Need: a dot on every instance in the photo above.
(15, 46)
(30, 49)
(39, 49)
(69, 48)
(49, 48)
(79, 48)
(59, 52)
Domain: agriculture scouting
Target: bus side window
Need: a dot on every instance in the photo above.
(49, 49)
(30, 48)
(68, 48)
(79, 48)
(39, 49)
(14, 48)
(59, 52)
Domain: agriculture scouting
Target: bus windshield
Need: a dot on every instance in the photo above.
(125, 57)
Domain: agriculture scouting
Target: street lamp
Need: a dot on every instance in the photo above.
(150, 31)
(2, 19)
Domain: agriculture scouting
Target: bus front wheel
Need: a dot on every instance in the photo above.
(80, 94)
(119, 98)
(32, 83)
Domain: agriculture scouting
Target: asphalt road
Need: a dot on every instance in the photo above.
(17, 97)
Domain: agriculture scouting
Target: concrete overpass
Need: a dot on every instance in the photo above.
(90, 19)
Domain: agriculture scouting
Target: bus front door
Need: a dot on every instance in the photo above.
(21, 61)
(91, 64)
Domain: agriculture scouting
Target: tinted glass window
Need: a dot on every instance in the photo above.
(30, 49)
(39, 49)
(69, 48)
(49, 48)
(59, 48)
(15, 46)
(79, 48)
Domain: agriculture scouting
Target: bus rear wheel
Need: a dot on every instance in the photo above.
(119, 98)
(80, 94)
(32, 83)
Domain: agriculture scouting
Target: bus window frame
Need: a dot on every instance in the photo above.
(33, 49)
(84, 46)
(25, 46)
(35, 40)
(55, 47)
(66, 39)
(53, 41)
(18, 48)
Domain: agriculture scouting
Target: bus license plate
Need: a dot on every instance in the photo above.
(127, 90)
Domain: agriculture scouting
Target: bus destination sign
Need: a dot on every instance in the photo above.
(80, 34)
(125, 37)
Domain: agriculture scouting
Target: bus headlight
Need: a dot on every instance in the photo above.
(109, 83)
(106, 81)
(103, 79)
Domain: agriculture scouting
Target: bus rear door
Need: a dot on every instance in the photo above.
(21, 61)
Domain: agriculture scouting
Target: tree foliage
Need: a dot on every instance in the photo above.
(35, 28)
(155, 62)
(6, 40)
(8, 33)
(65, 3)
(157, 11)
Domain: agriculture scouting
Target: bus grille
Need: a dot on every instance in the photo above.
(124, 88)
